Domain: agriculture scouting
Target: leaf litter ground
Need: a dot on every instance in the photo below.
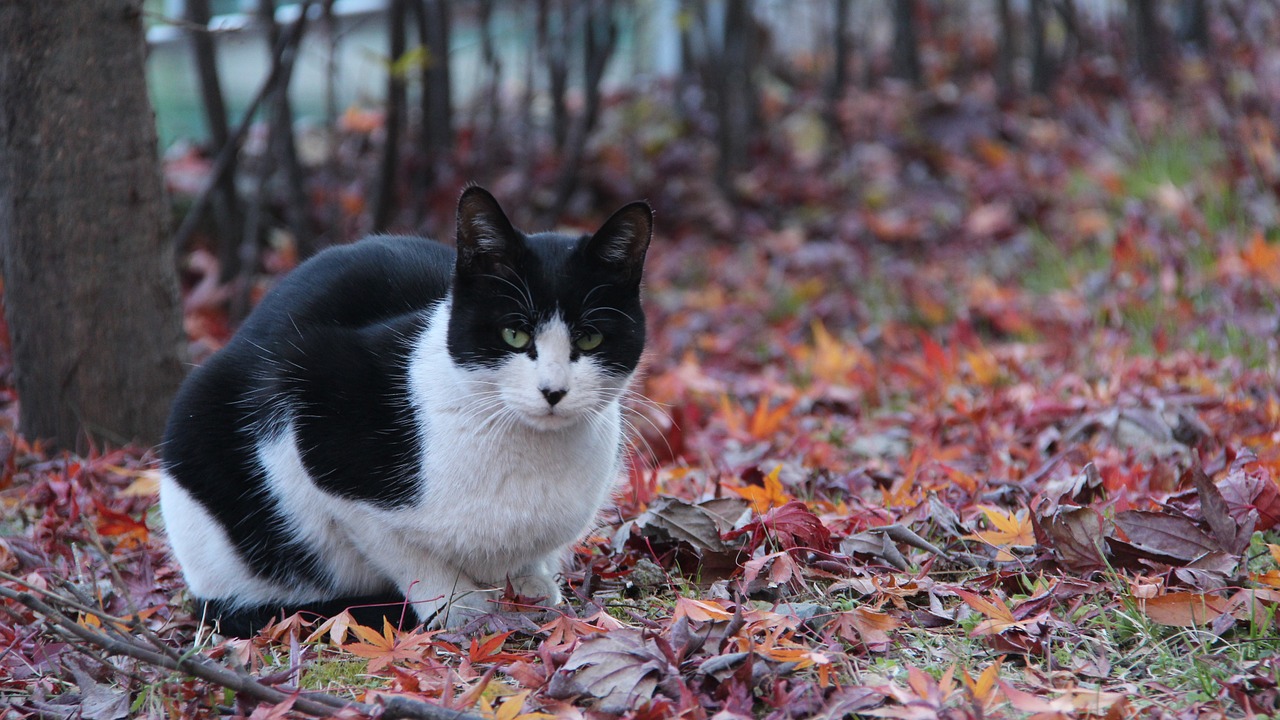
(980, 419)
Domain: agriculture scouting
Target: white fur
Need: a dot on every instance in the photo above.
(509, 482)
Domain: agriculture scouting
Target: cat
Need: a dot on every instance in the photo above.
(401, 422)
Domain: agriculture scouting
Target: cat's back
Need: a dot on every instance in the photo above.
(360, 284)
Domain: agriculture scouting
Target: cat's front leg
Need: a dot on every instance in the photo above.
(538, 580)
(437, 591)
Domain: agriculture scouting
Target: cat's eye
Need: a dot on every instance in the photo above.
(589, 341)
(517, 339)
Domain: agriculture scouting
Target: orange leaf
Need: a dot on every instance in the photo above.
(386, 647)
(999, 616)
(337, 628)
(701, 610)
(490, 649)
(1262, 258)
(831, 360)
(983, 688)
(763, 498)
(120, 525)
(565, 630)
(984, 366)
(767, 420)
(1185, 609)
(866, 626)
(1011, 529)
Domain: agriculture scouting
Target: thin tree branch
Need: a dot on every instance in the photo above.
(282, 63)
(315, 704)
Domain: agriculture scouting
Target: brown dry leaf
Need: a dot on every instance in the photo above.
(866, 626)
(1185, 609)
(670, 518)
(1164, 537)
(1075, 535)
(620, 669)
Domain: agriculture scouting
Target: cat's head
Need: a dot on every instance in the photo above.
(548, 326)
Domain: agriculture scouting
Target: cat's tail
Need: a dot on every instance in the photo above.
(245, 621)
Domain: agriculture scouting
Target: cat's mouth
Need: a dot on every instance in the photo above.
(549, 419)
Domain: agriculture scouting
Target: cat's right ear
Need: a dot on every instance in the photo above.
(486, 237)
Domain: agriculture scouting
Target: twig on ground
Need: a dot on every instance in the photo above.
(316, 704)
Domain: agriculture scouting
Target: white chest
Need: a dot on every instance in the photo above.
(497, 493)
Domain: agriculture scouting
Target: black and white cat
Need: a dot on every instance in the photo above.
(396, 420)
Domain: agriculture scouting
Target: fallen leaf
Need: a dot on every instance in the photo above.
(619, 669)
(867, 627)
(1165, 536)
(767, 496)
(1184, 609)
(1011, 530)
(700, 610)
(1075, 535)
(999, 616)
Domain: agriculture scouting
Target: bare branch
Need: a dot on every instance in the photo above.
(316, 704)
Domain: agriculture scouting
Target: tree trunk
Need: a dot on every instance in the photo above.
(1041, 66)
(555, 33)
(736, 110)
(385, 195)
(437, 104)
(906, 46)
(1152, 42)
(90, 286)
(600, 37)
(1008, 52)
(1193, 23)
(840, 58)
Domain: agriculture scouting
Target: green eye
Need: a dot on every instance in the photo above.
(589, 341)
(517, 339)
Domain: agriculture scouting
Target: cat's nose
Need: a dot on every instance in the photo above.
(553, 396)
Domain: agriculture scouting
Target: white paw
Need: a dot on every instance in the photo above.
(543, 587)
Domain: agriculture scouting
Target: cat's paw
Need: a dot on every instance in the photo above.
(537, 586)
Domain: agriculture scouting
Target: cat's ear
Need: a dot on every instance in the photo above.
(485, 235)
(620, 243)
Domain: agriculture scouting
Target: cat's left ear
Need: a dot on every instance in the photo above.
(620, 243)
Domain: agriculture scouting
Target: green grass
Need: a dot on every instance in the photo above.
(336, 674)
(1051, 267)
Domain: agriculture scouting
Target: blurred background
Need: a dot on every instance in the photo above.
(928, 150)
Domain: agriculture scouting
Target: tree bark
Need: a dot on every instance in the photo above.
(91, 293)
